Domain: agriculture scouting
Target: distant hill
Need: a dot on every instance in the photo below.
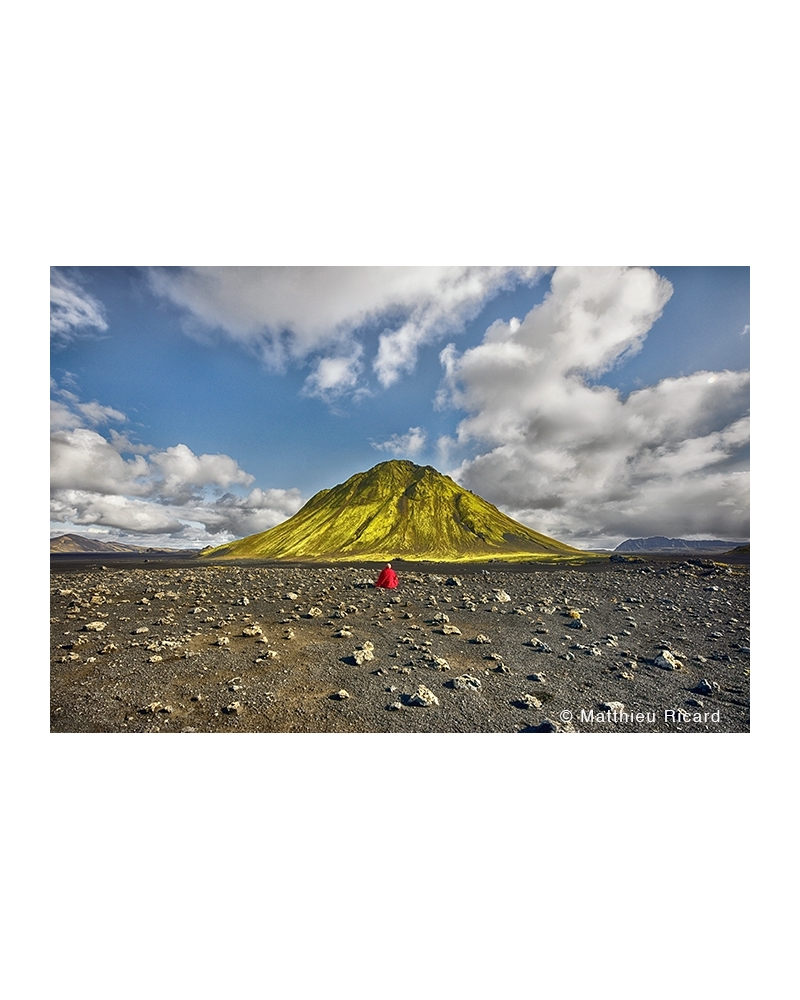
(78, 543)
(658, 543)
(398, 510)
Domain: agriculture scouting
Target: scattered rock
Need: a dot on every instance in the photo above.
(706, 687)
(155, 707)
(96, 626)
(527, 701)
(423, 697)
(667, 661)
(542, 647)
(612, 706)
(481, 639)
(235, 708)
(466, 682)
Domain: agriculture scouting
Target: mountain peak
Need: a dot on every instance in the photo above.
(397, 509)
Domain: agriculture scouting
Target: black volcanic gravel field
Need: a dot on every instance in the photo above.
(174, 646)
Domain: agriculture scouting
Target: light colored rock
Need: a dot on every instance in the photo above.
(482, 639)
(613, 706)
(223, 641)
(423, 697)
(542, 647)
(314, 613)
(466, 682)
(94, 626)
(253, 630)
(451, 630)
(501, 595)
(667, 661)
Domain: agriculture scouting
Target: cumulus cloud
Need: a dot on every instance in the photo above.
(334, 375)
(294, 313)
(72, 309)
(179, 472)
(215, 521)
(403, 445)
(562, 454)
(170, 496)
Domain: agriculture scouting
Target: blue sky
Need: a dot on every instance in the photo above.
(194, 405)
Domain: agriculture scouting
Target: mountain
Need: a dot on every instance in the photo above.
(658, 543)
(398, 510)
(77, 543)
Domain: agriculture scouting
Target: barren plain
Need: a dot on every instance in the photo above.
(181, 646)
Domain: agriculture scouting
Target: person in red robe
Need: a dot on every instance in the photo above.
(387, 577)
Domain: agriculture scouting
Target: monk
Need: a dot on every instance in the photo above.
(387, 577)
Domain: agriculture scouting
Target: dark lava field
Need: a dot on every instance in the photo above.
(644, 645)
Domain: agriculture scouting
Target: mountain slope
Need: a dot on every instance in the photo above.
(658, 543)
(77, 543)
(397, 510)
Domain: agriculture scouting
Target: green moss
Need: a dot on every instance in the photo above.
(398, 510)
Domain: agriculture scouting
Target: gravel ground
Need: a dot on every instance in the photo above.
(635, 646)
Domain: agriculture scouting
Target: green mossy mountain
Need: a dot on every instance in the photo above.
(397, 510)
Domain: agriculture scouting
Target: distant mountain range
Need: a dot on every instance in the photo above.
(399, 510)
(77, 543)
(658, 543)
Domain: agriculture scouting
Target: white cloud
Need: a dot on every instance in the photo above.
(561, 454)
(178, 470)
(82, 459)
(153, 522)
(293, 313)
(84, 507)
(72, 309)
(160, 497)
(334, 375)
(403, 445)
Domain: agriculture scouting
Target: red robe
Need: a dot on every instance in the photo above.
(387, 578)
